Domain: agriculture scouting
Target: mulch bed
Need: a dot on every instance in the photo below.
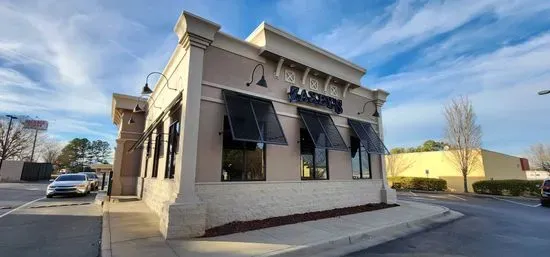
(242, 226)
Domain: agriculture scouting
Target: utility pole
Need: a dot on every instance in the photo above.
(34, 144)
(5, 143)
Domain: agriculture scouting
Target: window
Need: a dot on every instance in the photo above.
(369, 138)
(313, 161)
(159, 151)
(360, 160)
(173, 138)
(322, 130)
(252, 119)
(241, 160)
(148, 154)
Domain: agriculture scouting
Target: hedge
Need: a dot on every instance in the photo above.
(418, 183)
(513, 187)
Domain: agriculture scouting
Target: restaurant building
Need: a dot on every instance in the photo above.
(239, 130)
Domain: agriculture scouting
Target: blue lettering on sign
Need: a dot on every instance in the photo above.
(296, 94)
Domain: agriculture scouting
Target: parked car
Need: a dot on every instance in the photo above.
(93, 178)
(545, 193)
(69, 184)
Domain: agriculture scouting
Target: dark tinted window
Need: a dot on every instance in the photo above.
(74, 177)
(314, 161)
(241, 161)
(360, 161)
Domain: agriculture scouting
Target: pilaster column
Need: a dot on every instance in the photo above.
(184, 215)
(387, 194)
(383, 174)
(189, 121)
(116, 187)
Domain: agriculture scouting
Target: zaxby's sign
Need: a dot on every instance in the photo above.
(35, 124)
(296, 94)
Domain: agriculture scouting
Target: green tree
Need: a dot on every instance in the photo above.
(431, 145)
(75, 155)
(99, 151)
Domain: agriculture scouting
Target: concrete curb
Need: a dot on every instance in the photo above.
(106, 232)
(475, 195)
(100, 197)
(369, 237)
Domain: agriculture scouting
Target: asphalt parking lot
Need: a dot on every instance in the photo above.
(37, 226)
(492, 226)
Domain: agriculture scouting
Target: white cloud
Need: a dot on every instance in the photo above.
(60, 61)
(407, 24)
(502, 86)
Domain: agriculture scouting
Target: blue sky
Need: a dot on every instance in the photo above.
(62, 60)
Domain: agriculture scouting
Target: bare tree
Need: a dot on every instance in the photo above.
(18, 142)
(397, 163)
(49, 149)
(539, 156)
(463, 136)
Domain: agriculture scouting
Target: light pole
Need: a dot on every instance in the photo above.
(544, 92)
(5, 143)
(34, 144)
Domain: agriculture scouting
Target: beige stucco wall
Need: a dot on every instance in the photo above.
(127, 164)
(440, 165)
(282, 162)
(502, 166)
(11, 171)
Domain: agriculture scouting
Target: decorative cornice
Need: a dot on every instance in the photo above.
(190, 39)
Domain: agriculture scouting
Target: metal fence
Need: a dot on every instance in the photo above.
(33, 171)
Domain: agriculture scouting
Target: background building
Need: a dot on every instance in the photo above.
(537, 174)
(440, 164)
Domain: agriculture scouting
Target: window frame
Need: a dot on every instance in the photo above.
(159, 137)
(173, 137)
(148, 154)
(360, 150)
(314, 161)
(244, 150)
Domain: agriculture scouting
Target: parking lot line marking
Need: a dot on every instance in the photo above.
(458, 197)
(22, 206)
(510, 201)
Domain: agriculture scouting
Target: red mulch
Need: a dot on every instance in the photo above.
(242, 226)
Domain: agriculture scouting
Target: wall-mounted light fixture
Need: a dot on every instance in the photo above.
(146, 90)
(375, 114)
(261, 82)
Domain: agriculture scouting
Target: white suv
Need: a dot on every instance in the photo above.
(545, 193)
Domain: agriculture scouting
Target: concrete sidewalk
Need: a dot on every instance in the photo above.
(131, 229)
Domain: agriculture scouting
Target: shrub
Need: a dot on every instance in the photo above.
(513, 187)
(417, 183)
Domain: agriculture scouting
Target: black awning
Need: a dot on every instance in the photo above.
(322, 130)
(368, 137)
(252, 119)
(155, 123)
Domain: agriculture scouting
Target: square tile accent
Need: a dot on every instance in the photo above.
(313, 84)
(290, 76)
(333, 90)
